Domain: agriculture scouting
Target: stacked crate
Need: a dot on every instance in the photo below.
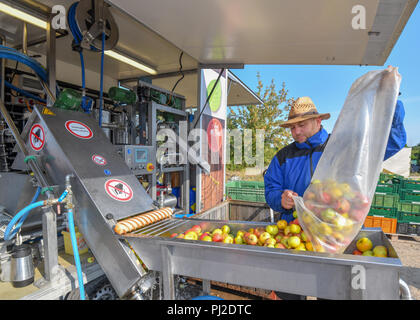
(384, 209)
(409, 207)
(252, 191)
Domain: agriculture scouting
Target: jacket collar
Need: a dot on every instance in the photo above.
(317, 139)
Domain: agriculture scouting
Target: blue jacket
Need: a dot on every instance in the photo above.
(293, 166)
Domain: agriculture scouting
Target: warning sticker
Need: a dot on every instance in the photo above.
(118, 190)
(47, 111)
(79, 129)
(99, 160)
(37, 137)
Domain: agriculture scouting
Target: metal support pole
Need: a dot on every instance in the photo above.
(51, 63)
(167, 274)
(49, 233)
(25, 39)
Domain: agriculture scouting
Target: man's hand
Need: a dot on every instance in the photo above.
(287, 200)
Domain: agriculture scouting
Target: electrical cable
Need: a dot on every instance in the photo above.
(101, 91)
(179, 80)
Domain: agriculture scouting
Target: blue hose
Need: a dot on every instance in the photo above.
(23, 92)
(76, 253)
(21, 216)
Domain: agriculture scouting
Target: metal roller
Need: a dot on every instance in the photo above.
(142, 220)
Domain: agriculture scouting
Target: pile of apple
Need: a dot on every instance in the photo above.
(281, 235)
(333, 214)
(364, 248)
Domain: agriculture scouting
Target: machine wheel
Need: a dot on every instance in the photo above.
(98, 289)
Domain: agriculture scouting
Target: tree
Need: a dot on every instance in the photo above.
(267, 117)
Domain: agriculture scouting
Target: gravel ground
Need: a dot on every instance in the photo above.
(409, 253)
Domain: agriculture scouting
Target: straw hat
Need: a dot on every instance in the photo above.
(303, 109)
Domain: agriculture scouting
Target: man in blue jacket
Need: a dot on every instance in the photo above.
(290, 172)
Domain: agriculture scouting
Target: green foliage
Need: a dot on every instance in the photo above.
(267, 117)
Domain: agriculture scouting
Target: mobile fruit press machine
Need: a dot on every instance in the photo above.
(82, 172)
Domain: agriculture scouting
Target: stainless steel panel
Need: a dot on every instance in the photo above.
(307, 273)
(65, 154)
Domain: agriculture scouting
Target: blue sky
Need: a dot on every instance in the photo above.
(328, 85)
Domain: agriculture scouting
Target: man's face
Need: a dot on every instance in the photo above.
(303, 130)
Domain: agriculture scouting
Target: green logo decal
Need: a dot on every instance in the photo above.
(216, 98)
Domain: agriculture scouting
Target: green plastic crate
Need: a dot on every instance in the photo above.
(387, 188)
(407, 194)
(385, 200)
(410, 184)
(409, 206)
(383, 212)
(252, 191)
(408, 217)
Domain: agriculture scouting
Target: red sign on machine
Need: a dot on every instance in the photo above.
(79, 129)
(37, 137)
(118, 190)
(99, 160)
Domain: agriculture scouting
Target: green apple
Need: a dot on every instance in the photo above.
(264, 236)
(225, 229)
(294, 242)
(272, 229)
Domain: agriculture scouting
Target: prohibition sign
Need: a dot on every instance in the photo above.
(79, 129)
(37, 137)
(118, 190)
(99, 160)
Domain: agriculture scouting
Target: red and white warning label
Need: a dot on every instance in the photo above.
(37, 137)
(79, 129)
(118, 190)
(99, 160)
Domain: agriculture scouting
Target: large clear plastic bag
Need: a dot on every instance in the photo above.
(336, 203)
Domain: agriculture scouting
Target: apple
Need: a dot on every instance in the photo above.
(226, 229)
(364, 244)
(238, 240)
(251, 230)
(287, 231)
(264, 236)
(217, 230)
(224, 235)
(357, 253)
(304, 237)
(342, 206)
(270, 241)
(309, 246)
(293, 242)
(228, 239)
(295, 214)
(294, 228)
(246, 235)
(282, 224)
(285, 241)
(335, 193)
(361, 201)
(344, 187)
(191, 235)
(173, 235)
(252, 239)
(206, 238)
(295, 221)
(301, 247)
(180, 236)
(309, 195)
(309, 204)
(204, 235)
(368, 253)
(217, 237)
(240, 233)
(324, 229)
(380, 251)
(325, 198)
(258, 231)
(357, 214)
(279, 245)
(272, 229)
(278, 237)
(339, 222)
(196, 229)
(328, 214)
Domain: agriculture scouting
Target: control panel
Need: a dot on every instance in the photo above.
(140, 159)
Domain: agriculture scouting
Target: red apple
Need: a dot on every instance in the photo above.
(205, 234)
(217, 237)
(325, 198)
(196, 229)
(206, 238)
(173, 235)
(342, 206)
(357, 215)
(252, 239)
